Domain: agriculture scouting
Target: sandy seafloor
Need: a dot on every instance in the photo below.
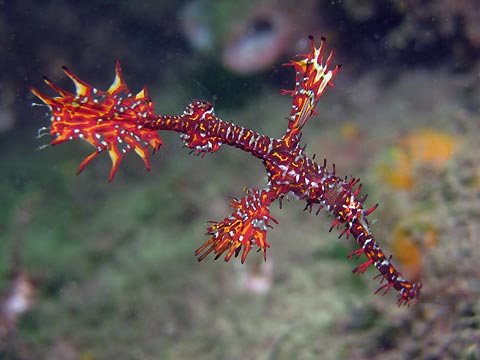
(112, 265)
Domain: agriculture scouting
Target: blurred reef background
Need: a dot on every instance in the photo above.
(91, 270)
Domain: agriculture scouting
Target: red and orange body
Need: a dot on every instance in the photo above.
(117, 122)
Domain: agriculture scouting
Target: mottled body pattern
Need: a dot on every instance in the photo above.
(117, 121)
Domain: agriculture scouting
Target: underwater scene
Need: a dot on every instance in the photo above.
(224, 153)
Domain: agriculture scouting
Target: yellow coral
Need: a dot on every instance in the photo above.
(412, 238)
(408, 253)
(396, 170)
(423, 148)
(429, 147)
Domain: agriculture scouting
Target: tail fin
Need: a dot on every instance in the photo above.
(112, 120)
